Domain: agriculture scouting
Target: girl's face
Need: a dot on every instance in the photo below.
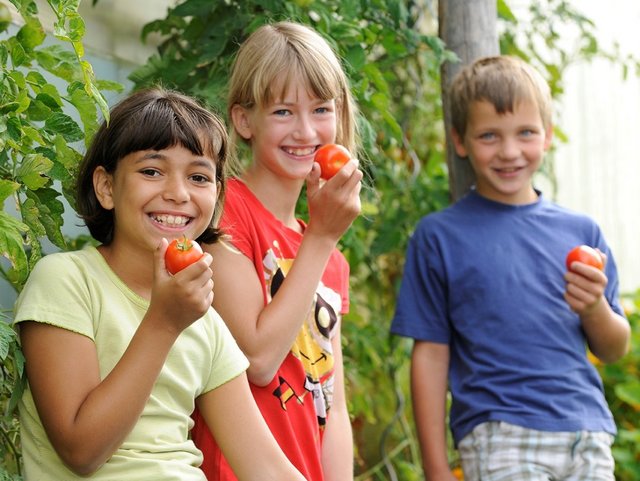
(155, 194)
(285, 135)
(505, 150)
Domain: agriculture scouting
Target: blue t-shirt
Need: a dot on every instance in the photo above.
(487, 279)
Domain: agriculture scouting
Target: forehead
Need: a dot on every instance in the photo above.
(289, 88)
(483, 112)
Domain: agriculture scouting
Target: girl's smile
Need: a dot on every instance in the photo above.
(155, 194)
(285, 134)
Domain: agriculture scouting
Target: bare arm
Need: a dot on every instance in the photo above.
(244, 437)
(429, 371)
(607, 332)
(266, 333)
(337, 447)
(87, 418)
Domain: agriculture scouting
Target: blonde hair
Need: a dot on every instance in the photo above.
(503, 81)
(299, 52)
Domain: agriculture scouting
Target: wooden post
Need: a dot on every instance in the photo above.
(468, 28)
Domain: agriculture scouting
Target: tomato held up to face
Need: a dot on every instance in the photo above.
(181, 253)
(331, 158)
(586, 255)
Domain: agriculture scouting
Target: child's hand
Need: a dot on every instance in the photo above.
(585, 286)
(181, 299)
(334, 204)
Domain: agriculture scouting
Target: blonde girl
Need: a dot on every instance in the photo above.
(281, 284)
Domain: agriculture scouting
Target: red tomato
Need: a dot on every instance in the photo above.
(586, 255)
(331, 158)
(181, 253)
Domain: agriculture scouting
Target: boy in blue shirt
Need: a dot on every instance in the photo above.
(496, 317)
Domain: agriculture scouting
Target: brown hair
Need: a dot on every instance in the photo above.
(503, 81)
(299, 51)
(150, 119)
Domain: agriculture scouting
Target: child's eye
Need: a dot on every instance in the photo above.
(150, 172)
(282, 112)
(487, 136)
(200, 178)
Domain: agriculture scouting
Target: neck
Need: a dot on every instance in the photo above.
(134, 270)
(278, 195)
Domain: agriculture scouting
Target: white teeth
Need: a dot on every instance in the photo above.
(301, 152)
(171, 220)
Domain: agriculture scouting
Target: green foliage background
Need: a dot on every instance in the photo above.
(393, 56)
(40, 146)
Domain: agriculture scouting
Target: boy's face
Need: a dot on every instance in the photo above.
(505, 150)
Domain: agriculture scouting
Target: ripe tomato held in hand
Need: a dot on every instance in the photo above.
(331, 158)
(181, 253)
(585, 254)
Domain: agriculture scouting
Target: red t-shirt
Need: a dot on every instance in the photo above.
(296, 403)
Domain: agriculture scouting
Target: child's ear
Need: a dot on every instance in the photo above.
(548, 137)
(458, 143)
(102, 186)
(241, 121)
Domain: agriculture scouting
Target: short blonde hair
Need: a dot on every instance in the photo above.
(301, 53)
(501, 80)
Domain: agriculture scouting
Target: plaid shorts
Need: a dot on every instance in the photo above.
(498, 451)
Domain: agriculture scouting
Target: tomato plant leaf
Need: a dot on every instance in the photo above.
(12, 247)
(33, 169)
(7, 188)
(64, 125)
(44, 214)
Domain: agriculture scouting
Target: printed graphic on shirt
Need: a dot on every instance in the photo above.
(312, 346)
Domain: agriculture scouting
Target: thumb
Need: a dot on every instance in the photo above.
(313, 180)
(159, 262)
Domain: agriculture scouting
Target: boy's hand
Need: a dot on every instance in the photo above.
(181, 299)
(585, 286)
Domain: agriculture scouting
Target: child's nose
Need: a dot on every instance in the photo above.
(176, 190)
(304, 128)
(510, 149)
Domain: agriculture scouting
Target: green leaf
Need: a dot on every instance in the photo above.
(14, 128)
(12, 247)
(505, 13)
(49, 212)
(60, 123)
(70, 28)
(376, 78)
(7, 338)
(356, 57)
(31, 34)
(32, 171)
(99, 99)
(629, 392)
(7, 188)
(193, 8)
(60, 62)
(109, 85)
(19, 56)
(86, 108)
(36, 80)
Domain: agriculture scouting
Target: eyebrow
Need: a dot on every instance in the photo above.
(198, 161)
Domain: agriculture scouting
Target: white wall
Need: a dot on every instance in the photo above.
(598, 171)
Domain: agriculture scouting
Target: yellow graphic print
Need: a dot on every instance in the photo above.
(313, 344)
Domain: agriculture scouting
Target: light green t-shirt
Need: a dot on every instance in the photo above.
(79, 292)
